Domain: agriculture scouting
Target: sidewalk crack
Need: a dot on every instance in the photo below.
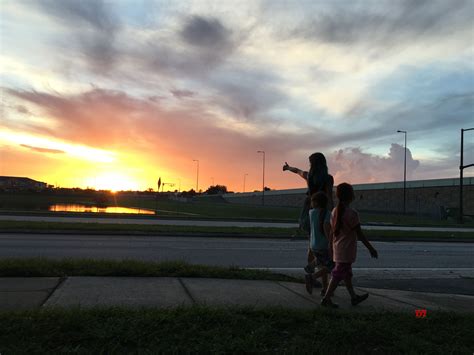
(60, 283)
(186, 290)
(296, 293)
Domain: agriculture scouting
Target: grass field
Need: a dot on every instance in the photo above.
(44, 267)
(233, 330)
(156, 230)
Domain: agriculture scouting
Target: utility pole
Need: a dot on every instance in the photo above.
(404, 175)
(263, 180)
(197, 176)
(461, 168)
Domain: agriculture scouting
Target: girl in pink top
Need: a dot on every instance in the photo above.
(346, 231)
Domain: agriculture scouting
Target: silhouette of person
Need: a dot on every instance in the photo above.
(317, 179)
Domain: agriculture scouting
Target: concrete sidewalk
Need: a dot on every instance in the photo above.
(166, 292)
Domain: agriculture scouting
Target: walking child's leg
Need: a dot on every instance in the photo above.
(324, 279)
(350, 288)
(331, 288)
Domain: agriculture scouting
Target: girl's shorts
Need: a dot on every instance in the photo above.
(342, 271)
(323, 259)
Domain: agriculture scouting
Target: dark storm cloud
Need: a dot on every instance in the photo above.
(385, 23)
(42, 150)
(208, 33)
(206, 44)
(92, 23)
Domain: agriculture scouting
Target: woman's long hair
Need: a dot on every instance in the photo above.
(344, 194)
(320, 200)
(318, 174)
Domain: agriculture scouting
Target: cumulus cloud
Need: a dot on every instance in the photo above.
(354, 166)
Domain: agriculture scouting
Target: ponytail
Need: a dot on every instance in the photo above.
(344, 194)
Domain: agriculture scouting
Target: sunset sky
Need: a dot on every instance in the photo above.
(115, 94)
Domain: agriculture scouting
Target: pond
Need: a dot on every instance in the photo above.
(95, 209)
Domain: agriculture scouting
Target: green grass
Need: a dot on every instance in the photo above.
(168, 208)
(108, 228)
(44, 267)
(232, 330)
(155, 230)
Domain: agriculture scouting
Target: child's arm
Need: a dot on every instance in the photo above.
(361, 236)
(303, 174)
(328, 234)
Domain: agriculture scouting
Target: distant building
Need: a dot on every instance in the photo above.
(14, 183)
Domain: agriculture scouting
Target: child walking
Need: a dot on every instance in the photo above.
(320, 230)
(346, 230)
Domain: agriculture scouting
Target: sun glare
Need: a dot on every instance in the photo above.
(113, 182)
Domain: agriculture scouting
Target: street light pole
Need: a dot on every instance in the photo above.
(404, 174)
(461, 168)
(212, 179)
(197, 175)
(263, 180)
(244, 181)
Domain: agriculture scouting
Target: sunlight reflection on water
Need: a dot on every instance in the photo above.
(95, 209)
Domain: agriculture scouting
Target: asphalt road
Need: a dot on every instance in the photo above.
(402, 259)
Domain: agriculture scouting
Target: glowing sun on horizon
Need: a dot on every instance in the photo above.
(113, 182)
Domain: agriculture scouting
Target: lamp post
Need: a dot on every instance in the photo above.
(244, 181)
(212, 181)
(263, 180)
(197, 175)
(404, 174)
(461, 168)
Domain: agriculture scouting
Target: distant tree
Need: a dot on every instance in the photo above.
(216, 190)
(267, 188)
(189, 193)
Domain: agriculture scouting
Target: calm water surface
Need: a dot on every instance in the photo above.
(83, 208)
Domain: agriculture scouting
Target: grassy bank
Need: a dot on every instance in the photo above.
(136, 228)
(231, 330)
(43, 267)
(156, 230)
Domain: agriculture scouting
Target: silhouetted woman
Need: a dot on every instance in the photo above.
(317, 179)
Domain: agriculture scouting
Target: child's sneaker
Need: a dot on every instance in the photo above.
(308, 278)
(326, 302)
(359, 298)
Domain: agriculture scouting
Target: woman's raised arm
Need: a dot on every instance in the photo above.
(303, 174)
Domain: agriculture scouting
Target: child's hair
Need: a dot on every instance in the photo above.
(320, 200)
(344, 194)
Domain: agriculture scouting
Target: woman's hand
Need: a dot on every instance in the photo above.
(373, 253)
(286, 166)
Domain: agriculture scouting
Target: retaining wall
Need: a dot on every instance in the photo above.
(426, 197)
